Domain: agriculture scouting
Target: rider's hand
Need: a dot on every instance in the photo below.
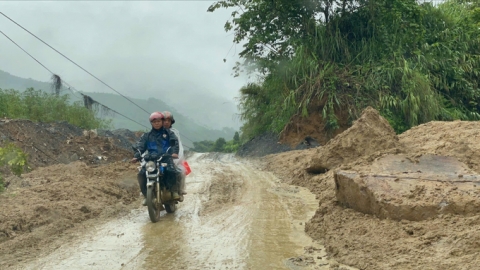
(133, 160)
(174, 155)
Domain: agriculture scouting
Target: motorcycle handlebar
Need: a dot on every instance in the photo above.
(157, 157)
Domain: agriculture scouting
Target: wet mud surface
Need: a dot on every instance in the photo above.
(235, 216)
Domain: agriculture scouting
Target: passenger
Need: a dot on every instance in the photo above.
(157, 141)
(167, 123)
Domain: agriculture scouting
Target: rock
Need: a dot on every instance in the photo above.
(398, 188)
(74, 157)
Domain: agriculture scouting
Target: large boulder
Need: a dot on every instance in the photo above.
(396, 187)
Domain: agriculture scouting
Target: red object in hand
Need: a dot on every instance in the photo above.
(187, 167)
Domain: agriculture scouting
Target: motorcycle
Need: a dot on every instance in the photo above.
(159, 170)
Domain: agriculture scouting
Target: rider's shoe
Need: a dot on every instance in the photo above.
(175, 196)
(181, 198)
(183, 192)
(144, 203)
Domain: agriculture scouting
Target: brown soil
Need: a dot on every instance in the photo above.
(46, 202)
(370, 133)
(76, 176)
(313, 125)
(225, 189)
(444, 241)
(48, 144)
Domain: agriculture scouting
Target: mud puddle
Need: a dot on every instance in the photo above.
(234, 217)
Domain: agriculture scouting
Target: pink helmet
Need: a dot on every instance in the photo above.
(169, 115)
(156, 115)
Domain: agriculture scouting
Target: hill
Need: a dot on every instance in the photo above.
(190, 128)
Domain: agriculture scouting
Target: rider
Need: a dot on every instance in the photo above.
(167, 123)
(156, 140)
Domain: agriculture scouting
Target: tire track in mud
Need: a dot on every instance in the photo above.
(257, 223)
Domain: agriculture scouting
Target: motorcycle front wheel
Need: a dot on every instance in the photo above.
(153, 204)
(170, 207)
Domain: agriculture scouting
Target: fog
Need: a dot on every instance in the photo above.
(172, 50)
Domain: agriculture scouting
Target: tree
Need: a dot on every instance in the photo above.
(218, 145)
(236, 137)
(413, 62)
(202, 146)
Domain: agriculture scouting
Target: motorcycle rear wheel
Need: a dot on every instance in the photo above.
(153, 205)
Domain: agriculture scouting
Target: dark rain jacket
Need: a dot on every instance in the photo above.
(157, 141)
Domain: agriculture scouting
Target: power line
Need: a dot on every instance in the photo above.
(72, 62)
(70, 87)
(26, 52)
(78, 67)
(83, 95)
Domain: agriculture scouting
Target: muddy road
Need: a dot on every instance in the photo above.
(235, 216)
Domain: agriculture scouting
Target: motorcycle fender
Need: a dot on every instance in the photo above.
(150, 184)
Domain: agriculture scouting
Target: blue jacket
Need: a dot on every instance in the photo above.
(156, 141)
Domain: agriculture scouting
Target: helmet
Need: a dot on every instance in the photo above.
(169, 115)
(156, 115)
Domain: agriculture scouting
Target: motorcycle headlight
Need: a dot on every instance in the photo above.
(150, 167)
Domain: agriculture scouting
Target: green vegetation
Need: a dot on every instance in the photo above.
(39, 106)
(220, 145)
(413, 62)
(14, 158)
(190, 128)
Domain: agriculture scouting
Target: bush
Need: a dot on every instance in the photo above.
(220, 145)
(14, 158)
(39, 106)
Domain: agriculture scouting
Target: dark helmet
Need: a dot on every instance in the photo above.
(168, 114)
(156, 115)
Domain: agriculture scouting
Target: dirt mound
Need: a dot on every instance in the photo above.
(402, 189)
(52, 143)
(265, 144)
(440, 240)
(369, 134)
(125, 138)
(44, 203)
(459, 139)
(76, 176)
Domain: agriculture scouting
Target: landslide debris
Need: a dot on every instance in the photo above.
(369, 134)
(76, 176)
(416, 194)
(60, 142)
(404, 190)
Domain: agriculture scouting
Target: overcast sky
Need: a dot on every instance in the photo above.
(130, 44)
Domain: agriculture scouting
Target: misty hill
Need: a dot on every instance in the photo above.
(190, 129)
(191, 98)
(188, 97)
(9, 81)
